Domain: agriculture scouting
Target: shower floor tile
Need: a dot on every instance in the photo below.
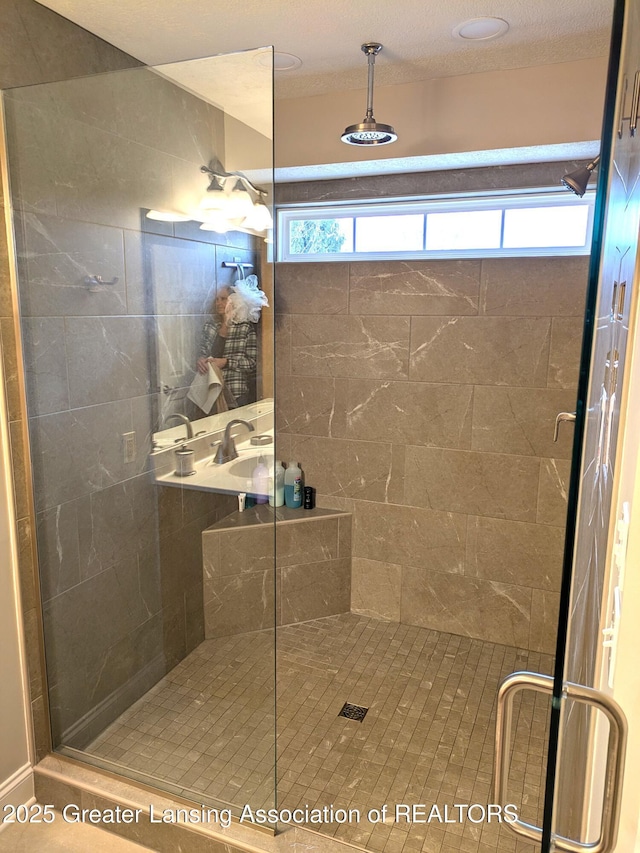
(427, 739)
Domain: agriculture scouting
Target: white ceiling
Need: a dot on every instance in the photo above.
(327, 34)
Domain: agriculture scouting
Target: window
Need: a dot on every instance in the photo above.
(543, 222)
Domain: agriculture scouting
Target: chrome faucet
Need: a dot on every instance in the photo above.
(184, 419)
(227, 448)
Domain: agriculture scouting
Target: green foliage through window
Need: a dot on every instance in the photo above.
(315, 236)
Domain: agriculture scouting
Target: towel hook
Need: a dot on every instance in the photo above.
(236, 265)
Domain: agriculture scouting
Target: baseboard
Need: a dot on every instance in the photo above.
(90, 725)
(17, 790)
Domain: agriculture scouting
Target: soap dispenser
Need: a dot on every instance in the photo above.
(260, 481)
(293, 486)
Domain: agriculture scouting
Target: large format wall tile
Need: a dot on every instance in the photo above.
(77, 632)
(351, 346)
(299, 543)
(515, 552)
(521, 421)
(177, 568)
(409, 413)
(179, 123)
(55, 256)
(499, 613)
(283, 333)
(375, 589)
(116, 523)
(315, 590)
(357, 469)
(40, 45)
(58, 552)
(107, 358)
(235, 552)
(545, 607)
(534, 287)
(80, 451)
(312, 288)
(502, 343)
(564, 352)
(410, 536)
(553, 492)
(307, 405)
(414, 287)
(490, 484)
(45, 364)
(480, 350)
(389, 186)
(235, 604)
(116, 676)
(313, 569)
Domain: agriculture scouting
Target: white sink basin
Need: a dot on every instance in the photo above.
(244, 465)
(231, 478)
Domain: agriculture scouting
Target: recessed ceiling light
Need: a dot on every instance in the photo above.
(481, 29)
(281, 61)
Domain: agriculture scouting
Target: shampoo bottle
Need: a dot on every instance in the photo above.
(260, 481)
(293, 486)
(276, 492)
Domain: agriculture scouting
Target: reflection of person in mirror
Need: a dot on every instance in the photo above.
(232, 347)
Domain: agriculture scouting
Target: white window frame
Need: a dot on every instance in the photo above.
(504, 199)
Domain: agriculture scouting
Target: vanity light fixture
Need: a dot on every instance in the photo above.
(232, 198)
(231, 202)
(369, 131)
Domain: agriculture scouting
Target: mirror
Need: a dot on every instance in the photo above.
(203, 271)
(207, 355)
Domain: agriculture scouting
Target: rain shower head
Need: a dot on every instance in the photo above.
(369, 131)
(577, 180)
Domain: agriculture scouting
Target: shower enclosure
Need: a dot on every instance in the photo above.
(187, 642)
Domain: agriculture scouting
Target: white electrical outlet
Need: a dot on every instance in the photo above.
(129, 445)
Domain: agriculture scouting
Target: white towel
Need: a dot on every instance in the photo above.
(206, 388)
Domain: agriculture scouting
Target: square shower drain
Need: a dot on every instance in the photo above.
(353, 712)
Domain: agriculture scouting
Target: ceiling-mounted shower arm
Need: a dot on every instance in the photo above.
(369, 131)
(371, 50)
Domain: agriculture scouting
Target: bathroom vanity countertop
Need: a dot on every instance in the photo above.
(228, 479)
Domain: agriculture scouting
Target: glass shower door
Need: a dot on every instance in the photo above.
(158, 603)
(591, 726)
(588, 727)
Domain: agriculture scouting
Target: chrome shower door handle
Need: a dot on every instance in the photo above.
(563, 416)
(614, 771)
(511, 685)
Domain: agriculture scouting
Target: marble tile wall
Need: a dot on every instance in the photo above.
(120, 560)
(312, 569)
(421, 397)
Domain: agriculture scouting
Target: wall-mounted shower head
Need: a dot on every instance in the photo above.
(369, 131)
(577, 180)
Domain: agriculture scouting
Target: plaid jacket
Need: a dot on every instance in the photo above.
(240, 350)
